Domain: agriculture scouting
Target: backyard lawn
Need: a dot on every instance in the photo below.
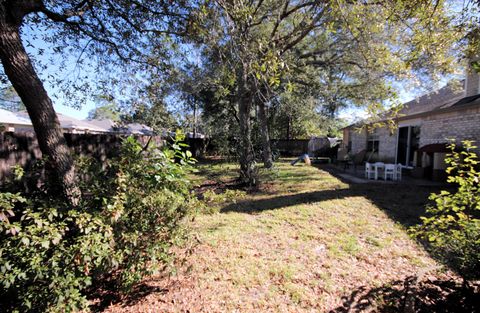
(304, 242)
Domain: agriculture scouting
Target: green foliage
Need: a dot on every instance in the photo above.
(9, 99)
(452, 227)
(47, 257)
(130, 217)
(105, 111)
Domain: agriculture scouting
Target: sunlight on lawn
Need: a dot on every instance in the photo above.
(302, 246)
(303, 242)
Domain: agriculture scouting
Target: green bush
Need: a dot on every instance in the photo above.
(129, 218)
(452, 226)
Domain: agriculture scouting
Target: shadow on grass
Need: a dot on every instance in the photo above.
(410, 295)
(108, 294)
(402, 203)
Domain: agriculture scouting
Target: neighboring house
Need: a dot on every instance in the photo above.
(12, 121)
(75, 126)
(424, 126)
(132, 128)
(138, 129)
(20, 122)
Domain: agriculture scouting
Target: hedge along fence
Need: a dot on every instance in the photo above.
(21, 148)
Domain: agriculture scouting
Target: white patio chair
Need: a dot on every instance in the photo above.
(369, 170)
(390, 170)
(398, 172)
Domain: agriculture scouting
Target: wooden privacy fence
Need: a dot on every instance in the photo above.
(21, 148)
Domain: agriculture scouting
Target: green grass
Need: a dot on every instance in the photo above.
(300, 243)
(306, 231)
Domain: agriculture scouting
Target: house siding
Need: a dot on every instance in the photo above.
(386, 146)
(436, 128)
(459, 125)
(358, 138)
(455, 122)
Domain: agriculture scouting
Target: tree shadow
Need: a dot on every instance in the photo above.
(107, 293)
(402, 203)
(411, 295)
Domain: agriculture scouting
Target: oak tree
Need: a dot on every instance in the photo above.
(114, 32)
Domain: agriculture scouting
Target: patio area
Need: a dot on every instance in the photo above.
(356, 175)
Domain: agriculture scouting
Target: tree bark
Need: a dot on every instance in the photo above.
(19, 70)
(246, 157)
(267, 150)
(288, 126)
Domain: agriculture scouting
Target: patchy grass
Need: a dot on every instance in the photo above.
(304, 242)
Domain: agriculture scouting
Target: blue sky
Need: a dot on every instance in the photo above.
(81, 109)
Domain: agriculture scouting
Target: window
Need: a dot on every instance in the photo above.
(373, 142)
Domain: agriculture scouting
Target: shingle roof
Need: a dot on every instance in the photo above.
(67, 122)
(443, 97)
(7, 117)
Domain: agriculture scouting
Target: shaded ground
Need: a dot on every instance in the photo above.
(305, 242)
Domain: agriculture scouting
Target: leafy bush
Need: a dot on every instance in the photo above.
(452, 227)
(128, 220)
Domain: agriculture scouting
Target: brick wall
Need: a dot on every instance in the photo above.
(472, 83)
(458, 125)
(386, 146)
(358, 137)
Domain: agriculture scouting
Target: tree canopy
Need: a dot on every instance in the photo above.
(255, 59)
(343, 52)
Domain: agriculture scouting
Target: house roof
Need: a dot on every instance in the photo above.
(132, 128)
(73, 123)
(136, 128)
(444, 96)
(447, 98)
(103, 123)
(66, 122)
(464, 101)
(7, 117)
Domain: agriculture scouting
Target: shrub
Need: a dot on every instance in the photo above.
(129, 218)
(46, 258)
(452, 225)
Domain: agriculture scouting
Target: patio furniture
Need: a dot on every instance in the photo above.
(378, 166)
(390, 171)
(398, 172)
(370, 170)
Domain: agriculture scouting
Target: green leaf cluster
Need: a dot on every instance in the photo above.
(131, 215)
(451, 228)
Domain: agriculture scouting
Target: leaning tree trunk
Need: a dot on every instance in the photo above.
(267, 150)
(247, 162)
(19, 70)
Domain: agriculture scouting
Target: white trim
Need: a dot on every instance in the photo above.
(411, 122)
(396, 144)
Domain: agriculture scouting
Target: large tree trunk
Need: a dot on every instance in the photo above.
(289, 119)
(248, 173)
(19, 70)
(267, 150)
